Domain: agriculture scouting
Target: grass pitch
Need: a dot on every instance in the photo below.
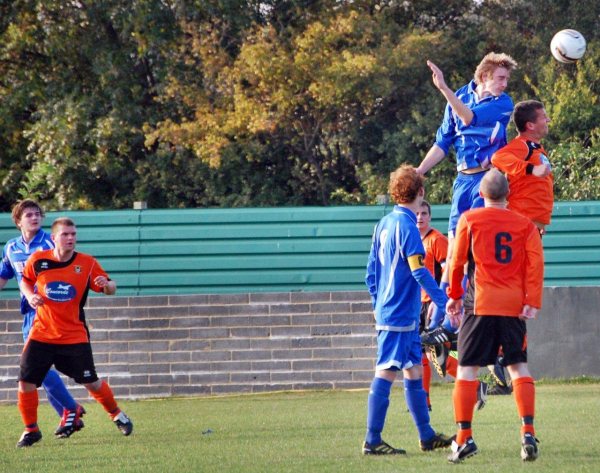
(306, 432)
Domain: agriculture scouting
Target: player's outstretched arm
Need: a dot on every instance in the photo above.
(463, 112)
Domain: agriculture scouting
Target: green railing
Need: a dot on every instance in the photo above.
(280, 249)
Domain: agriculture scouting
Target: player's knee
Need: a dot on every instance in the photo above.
(26, 387)
(94, 386)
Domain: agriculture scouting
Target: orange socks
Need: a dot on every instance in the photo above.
(105, 397)
(28, 404)
(451, 366)
(524, 391)
(464, 398)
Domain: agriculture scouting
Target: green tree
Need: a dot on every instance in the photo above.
(571, 94)
(323, 92)
(275, 102)
(81, 77)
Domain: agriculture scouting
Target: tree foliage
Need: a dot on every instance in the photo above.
(252, 103)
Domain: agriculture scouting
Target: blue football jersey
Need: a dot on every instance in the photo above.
(476, 143)
(395, 293)
(15, 254)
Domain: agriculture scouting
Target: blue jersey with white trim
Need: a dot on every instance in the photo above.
(16, 252)
(395, 293)
(477, 142)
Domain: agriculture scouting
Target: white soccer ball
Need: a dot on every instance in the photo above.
(567, 46)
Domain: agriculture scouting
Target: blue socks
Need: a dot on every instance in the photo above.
(57, 392)
(416, 399)
(378, 402)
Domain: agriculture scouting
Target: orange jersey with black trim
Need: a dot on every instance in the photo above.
(506, 262)
(436, 249)
(64, 287)
(529, 195)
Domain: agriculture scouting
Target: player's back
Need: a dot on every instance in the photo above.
(498, 263)
(396, 238)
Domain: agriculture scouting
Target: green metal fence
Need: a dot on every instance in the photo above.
(199, 251)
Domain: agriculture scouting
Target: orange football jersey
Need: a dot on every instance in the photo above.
(64, 287)
(529, 195)
(436, 249)
(506, 262)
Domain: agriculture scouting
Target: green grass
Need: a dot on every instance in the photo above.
(306, 432)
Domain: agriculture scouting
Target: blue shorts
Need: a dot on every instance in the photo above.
(398, 350)
(465, 196)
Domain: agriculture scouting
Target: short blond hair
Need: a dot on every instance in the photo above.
(491, 62)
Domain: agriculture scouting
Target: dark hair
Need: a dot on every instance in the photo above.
(526, 112)
(20, 206)
(426, 204)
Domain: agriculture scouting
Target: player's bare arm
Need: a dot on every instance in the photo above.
(541, 170)
(108, 286)
(528, 313)
(454, 308)
(433, 157)
(463, 112)
(34, 299)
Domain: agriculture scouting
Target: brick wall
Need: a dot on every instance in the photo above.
(156, 346)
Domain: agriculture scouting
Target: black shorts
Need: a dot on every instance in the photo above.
(75, 360)
(480, 339)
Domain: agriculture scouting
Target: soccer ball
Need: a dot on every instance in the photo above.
(567, 46)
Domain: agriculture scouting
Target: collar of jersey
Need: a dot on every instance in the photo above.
(407, 212)
(473, 90)
(533, 144)
(39, 236)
